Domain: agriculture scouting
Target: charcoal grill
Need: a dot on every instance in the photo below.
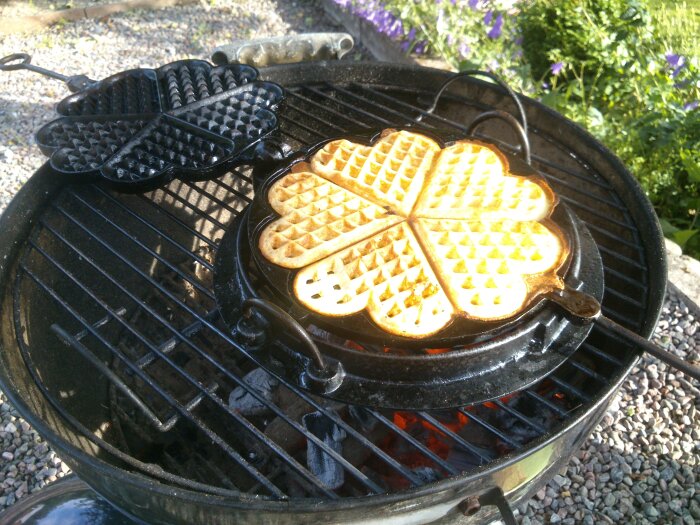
(113, 347)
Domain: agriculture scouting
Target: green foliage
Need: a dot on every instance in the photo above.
(602, 63)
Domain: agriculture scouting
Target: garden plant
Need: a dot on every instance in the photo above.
(627, 70)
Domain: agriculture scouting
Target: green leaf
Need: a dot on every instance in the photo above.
(668, 228)
(691, 164)
(681, 237)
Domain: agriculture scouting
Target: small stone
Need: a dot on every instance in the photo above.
(650, 510)
(11, 428)
(8, 456)
(667, 474)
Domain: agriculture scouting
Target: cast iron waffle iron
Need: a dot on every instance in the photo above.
(465, 362)
(140, 128)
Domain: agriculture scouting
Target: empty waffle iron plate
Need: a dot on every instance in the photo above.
(353, 359)
(140, 128)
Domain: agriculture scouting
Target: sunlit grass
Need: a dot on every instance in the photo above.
(679, 23)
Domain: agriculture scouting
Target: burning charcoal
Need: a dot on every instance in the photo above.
(327, 469)
(243, 402)
(363, 417)
(426, 474)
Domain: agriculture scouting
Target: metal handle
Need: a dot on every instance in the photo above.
(305, 47)
(649, 347)
(510, 119)
(23, 61)
(586, 308)
(310, 349)
(493, 497)
(477, 72)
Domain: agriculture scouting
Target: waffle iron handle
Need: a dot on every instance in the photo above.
(305, 47)
(520, 130)
(325, 376)
(585, 308)
(479, 73)
(23, 61)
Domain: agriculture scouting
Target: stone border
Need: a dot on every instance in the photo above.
(30, 23)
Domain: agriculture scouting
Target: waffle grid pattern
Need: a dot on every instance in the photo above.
(469, 245)
(224, 110)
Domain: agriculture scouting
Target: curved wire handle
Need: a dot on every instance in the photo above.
(477, 72)
(510, 119)
(290, 323)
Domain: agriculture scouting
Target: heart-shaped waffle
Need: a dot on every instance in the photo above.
(413, 233)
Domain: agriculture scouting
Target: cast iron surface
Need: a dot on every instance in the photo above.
(172, 226)
(508, 358)
(141, 127)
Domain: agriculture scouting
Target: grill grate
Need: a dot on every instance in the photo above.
(128, 280)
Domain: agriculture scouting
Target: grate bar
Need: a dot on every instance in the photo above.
(324, 123)
(351, 107)
(548, 403)
(520, 416)
(627, 260)
(157, 231)
(302, 126)
(455, 437)
(590, 373)
(619, 316)
(425, 451)
(281, 453)
(189, 278)
(169, 345)
(614, 237)
(215, 199)
(569, 388)
(626, 278)
(328, 110)
(194, 208)
(98, 324)
(624, 297)
(177, 221)
(484, 424)
(252, 471)
(233, 190)
(599, 353)
(352, 469)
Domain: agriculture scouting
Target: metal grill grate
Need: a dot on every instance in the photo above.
(125, 283)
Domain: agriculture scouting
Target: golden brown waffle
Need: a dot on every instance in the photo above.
(468, 243)
(483, 265)
(317, 219)
(391, 172)
(468, 181)
(387, 274)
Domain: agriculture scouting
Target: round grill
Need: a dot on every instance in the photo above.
(114, 350)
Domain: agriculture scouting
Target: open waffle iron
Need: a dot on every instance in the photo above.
(466, 362)
(139, 128)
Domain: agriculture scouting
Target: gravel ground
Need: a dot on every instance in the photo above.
(642, 463)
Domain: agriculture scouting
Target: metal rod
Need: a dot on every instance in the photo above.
(649, 347)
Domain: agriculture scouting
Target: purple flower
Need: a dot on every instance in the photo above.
(519, 41)
(546, 85)
(691, 105)
(421, 47)
(474, 4)
(450, 40)
(556, 68)
(488, 17)
(464, 50)
(411, 35)
(674, 60)
(497, 28)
